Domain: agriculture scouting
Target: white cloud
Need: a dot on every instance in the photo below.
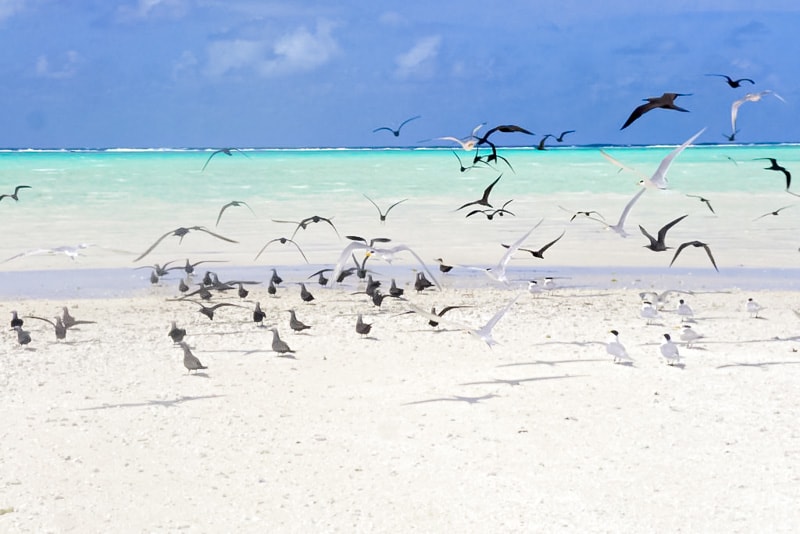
(301, 50)
(65, 69)
(10, 7)
(419, 60)
(143, 9)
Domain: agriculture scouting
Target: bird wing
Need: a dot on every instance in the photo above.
(399, 248)
(678, 251)
(393, 205)
(512, 248)
(710, 257)
(345, 255)
(638, 112)
(622, 165)
(659, 178)
(41, 319)
(408, 120)
(154, 245)
(203, 229)
(226, 206)
(382, 128)
(488, 190)
(662, 234)
(653, 241)
(626, 210)
(551, 243)
(209, 159)
(485, 331)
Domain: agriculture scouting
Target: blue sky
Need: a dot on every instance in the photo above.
(248, 73)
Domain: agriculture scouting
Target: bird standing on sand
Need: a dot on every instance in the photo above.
(665, 101)
(15, 319)
(617, 349)
(259, 315)
(305, 294)
(443, 267)
(60, 329)
(176, 334)
(15, 193)
(648, 311)
(689, 335)
(753, 308)
(190, 361)
(23, 336)
(295, 324)
(669, 351)
(361, 327)
(685, 311)
(279, 345)
(69, 321)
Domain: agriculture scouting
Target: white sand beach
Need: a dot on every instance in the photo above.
(409, 428)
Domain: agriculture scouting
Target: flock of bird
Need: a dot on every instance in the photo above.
(486, 155)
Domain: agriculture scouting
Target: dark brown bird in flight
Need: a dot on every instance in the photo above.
(665, 101)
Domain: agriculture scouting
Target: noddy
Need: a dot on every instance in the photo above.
(396, 132)
(305, 222)
(665, 101)
(484, 200)
(14, 195)
(731, 82)
(381, 214)
(295, 324)
(282, 241)
(279, 345)
(233, 203)
(539, 253)
(60, 329)
(361, 327)
(694, 244)
(15, 319)
(259, 315)
(23, 336)
(305, 294)
(658, 245)
(226, 151)
(181, 233)
(176, 334)
(190, 361)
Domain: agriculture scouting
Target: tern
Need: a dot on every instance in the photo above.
(749, 97)
(619, 228)
(685, 311)
(233, 203)
(648, 311)
(72, 252)
(226, 151)
(669, 351)
(181, 233)
(658, 245)
(15, 193)
(617, 349)
(387, 254)
(498, 272)
(695, 244)
(665, 101)
(483, 333)
(467, 143)
(689, 335)
(753, 308)
(396, 132)
(381, 214)
(659, 178)
(730, 81)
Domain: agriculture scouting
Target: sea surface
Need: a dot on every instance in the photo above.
(121, 201)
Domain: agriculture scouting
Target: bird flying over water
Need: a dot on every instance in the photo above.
(658, 245)
(16, 191)
(695, 244)
(396, 132)
(181, 233)
(749, 97)
(382, 214)
(539, 253)
(308, 220)
(774, 166)
(226, 151)
(505, 128)
(730, 81)
(665, 101)
(233, 203)
(282, 241)
(484, 200)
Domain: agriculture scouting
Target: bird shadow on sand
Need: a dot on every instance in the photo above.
(518, 381)
(454, 398)
(552, 363)
(165, 403)
(761, 365)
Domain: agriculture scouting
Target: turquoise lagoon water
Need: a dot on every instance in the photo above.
(121, 201)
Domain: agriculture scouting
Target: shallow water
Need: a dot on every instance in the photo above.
(122, 201)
